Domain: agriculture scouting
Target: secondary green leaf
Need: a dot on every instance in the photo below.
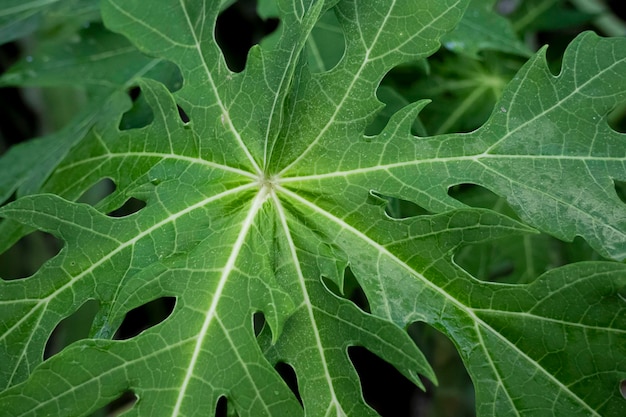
(104, 64)
(546, 14)
(19, 18)
(325, 46)
(483, 29)
(463, 91)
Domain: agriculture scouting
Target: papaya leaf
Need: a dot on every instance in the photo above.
(260, 190)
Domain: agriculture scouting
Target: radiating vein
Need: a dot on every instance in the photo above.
(339, 106)
(496, 370)
(225, 113)
(211, 312)
(467, 310)
(150, 28)
(556, 105)
(307, 303)
(189, 159)
(275, 110)
(122, 246)
(357, 77)
(434, 160)
(522, 315)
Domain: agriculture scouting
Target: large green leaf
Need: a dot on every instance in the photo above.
(271, 190)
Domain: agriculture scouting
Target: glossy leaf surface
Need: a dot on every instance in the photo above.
(260, 202)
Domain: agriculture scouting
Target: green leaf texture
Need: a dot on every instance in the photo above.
(105, 65)
(19, 18)
(483, 28)
(272, 190)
